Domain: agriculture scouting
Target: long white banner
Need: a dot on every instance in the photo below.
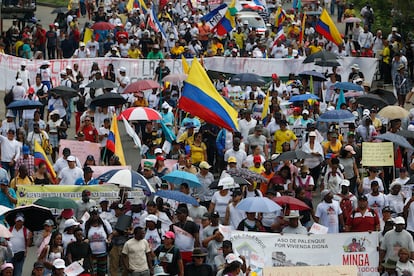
(145, 69)
(275, 250)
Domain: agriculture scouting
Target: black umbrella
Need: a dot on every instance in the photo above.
(291, 155)
(34, 215)
(327, 63)
(408, 134)
(237, 179)
(101, 84)
(321, 55)
(60, 10)
(316, 76)
(370, 100)
(24, 104)
(387, 96)
(64, 91)
(214, 75)
(247, 79)
(108, 99)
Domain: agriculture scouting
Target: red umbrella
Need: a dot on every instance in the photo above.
(102, 26)
(141, 85)
(291, 202)
(140, 114)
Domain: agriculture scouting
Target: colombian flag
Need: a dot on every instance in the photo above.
(200, 98)
(228, 22)
(186, 67)
(41, 157)
(280, 16)
(114, 141)
(326, 27)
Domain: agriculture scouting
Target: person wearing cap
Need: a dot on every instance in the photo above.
(365, 186)
(206, 178)
(376, 199)
(136, 254)
(26, 159)
(236, 153)
(68, 234)
(395, 198)
(71, 173)
(19, 242)
(314, 148)
(277, 88)
(363, 218)
(257, 139)
(8, 123)
(82, 51)
(7, 269)
(38, 135)
(208, 230)
(88, 128)
(355, 73)
(45, 73)
(187, 137)
(38, 269)
(304, 120)
(329, 213)
(84, 204)
(349, 167)
(283, 135)
(396, 237)
(305, 180)
(24, 75)
(169, 255)
(402, 84)
(58, 267)
(347, 200)
(87, 178)
(62, 161)
(148, 172)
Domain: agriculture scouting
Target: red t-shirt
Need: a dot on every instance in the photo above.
(90, 133)
(363, 223)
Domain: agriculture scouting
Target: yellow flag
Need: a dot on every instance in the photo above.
(266, 105)
(186, 67)
(311, 85)
(118, 144)
(130, 5)
(87, 35)
(39, 153)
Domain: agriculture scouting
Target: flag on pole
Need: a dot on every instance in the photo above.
(302, 31)
(155, 24)
(41, 157)
(280, 16)
(186, 67)
(87, 35)
(326, 27)
(131, 132)
(266, 105)
(341, 99)
(113, 143)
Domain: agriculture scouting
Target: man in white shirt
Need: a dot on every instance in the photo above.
(329, 213)
(70, 174)
(82, 51)
(93, 47)
(24, 75)
(123, 80)
(236, 152)
(365, 38)
(246, 124)
(10, 151)
(62, 162)
(18, 90)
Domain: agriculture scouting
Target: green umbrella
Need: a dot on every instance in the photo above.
(56, 202)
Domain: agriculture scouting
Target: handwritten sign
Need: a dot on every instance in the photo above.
(318, 229)
(81, 149)
(377, 154)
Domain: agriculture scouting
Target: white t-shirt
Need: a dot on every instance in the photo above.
(221, 203)
(153, 238)
(17, 241)
(136, 251)
(377, 202)
(328, 215)
(97, 238)
(69, 176)
(366, 185)
(236, 216)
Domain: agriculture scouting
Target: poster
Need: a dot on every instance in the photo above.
(377, 154)
(289, 250)
(81, 150)
(312, 271)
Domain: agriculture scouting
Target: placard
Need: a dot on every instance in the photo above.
(377, 154)
(81, 149)
(333, 270)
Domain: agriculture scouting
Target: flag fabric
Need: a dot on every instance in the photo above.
(87, 36)
(228, 22)
(214, 17)
(155, 24)
(341, 99)
(201, 99)
(40, 156)
(326, 27)
(130, 5)
(131, 132)
(113, 143)
(302, 31)
(168, 133)
(186, 67)
(280, 16)
(280, 35)
(266, 105)
(142, 6)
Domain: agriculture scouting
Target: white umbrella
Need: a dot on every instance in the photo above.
(228, 182)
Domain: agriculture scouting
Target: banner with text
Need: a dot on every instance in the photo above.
(27, 194)
(145, 69)
(275, 250)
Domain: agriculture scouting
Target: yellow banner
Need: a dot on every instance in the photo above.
(377, 154)
(27, 194)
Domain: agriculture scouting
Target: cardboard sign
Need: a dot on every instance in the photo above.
(377, 154)
(81, 150)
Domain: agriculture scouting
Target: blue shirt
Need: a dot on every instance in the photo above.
(81, 181)
(4, 200)
(168, 118)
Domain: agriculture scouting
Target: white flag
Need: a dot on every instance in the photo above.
(131, 132)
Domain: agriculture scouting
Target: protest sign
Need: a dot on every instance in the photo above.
(344, 249)
(332, 270)
(81, 150)
(99, 170)
(377, 154)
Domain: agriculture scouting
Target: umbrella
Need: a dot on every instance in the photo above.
(4, 232)
(175, 78)
(291, 202)
(246, 174)
(127, 179)
(237, 180)
(56, 202)
(3, 210)
(102, 26)
(316, 76)
(336, 116)
(327, 63)
(108, 99)
(215, 75)
(293, 154)
(64, 91)
(24, 104)
(370, 100)
(321, 55)
(178, 177)
(396, 139)
(141, 114)
(353, 94)
(352, 20)
(177, 196)
(101, 84)
(258, 205)
(408, 134)
(303, 97)
(60, 10)
(247, 79)
(141, 85)
(348, 86)
(386, 95)
(393, 112)
(35, 216)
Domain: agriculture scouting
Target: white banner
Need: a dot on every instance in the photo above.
(145, 69)
(275, 250)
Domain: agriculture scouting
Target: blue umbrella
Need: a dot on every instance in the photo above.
(24, 104)
(303, 97)
(247, 79)
(348, 86)
(178, 177)
(336, 116)
(396, 139)
(177, 196)
(126, 178)
(258, 205)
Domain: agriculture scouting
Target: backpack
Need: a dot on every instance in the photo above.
(9, 97)
(346, 206)
(370, 16)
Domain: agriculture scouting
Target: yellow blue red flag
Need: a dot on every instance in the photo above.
(114, 143)
(326, 27)
(41, 157)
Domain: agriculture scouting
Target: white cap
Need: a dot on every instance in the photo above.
(59, 263)
(399, 220)
(71, 222)
(152, 218)
(330, 108)
(394, 29)
(71, 158)
(122, 69)
(366, 112)
(56, 24)
(305, 111)
(23, 63)
(45, 63)
(345, 182)
(312, 134)
(157, 151)
(19, 81)
(230, 258)
(165, 105)
(63, 72)
(103, 199)
(81, 44)
(19, 217)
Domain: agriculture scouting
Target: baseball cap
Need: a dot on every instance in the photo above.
(71, 158)
(122, 69)
(232, 159)
(206, 216)
(257, 159)
(87, 170)
(152, 218)
(71, 222)
(231, 258)
(4, 181)
(19, 81)
(350, 149)
(59, 264)
(19, 218)
(363, 197)
(345, 182)
(49, 222)
(305, 111)
(204, 165)
(66, 151)
(169, 235)
(399, 220)
(25, 149)
(38, 265)
(158, 151)
(214, 215)
(312, 134)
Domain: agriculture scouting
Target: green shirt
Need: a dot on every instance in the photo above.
(153, 55)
